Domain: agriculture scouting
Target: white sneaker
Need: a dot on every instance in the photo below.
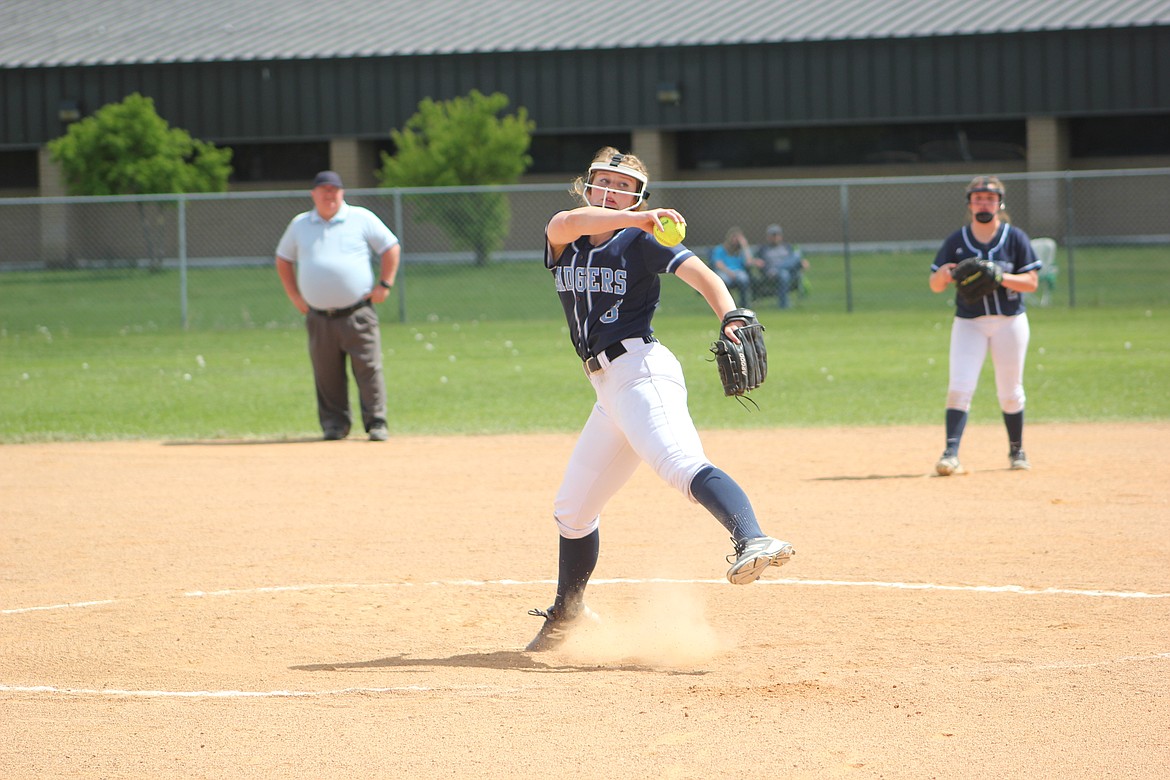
(948, 464)
(754, 556)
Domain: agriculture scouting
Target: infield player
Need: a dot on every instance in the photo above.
(606, 265)
(995, 323)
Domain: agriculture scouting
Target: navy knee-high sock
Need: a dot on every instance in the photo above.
(956, 422)
(1015, 429)
(578, 558)
(723, 497)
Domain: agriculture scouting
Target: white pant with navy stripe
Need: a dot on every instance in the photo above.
(641, 414)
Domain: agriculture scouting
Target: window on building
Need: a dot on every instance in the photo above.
(571, 153)
(386, 145)
(860, 145)
(1119, 136)
(18, 170)
(278, 161)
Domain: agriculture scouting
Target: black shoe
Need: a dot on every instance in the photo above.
(335, 434)
(556, 628)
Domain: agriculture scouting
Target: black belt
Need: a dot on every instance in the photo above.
(333, 313)
(612, 353)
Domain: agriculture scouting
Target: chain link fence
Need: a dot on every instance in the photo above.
(206, 260)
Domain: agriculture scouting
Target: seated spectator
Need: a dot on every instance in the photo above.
(783, 265)
(731, 261)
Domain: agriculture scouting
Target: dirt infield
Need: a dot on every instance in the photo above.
(357, 610)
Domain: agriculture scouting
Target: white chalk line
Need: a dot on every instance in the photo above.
(1108, 662)
(474, 690)
(926, 586)
(1017, 589)
(119, 693)
(74, 605)
(488, 690)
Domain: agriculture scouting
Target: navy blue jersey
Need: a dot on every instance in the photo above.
(1010, 249)
(610, 291)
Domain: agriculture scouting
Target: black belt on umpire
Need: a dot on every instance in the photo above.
(348, 310)
(612, 353)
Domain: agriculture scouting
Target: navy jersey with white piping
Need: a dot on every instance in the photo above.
(1010, 249)
(610, 291)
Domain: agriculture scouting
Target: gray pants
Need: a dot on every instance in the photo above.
(331, 340)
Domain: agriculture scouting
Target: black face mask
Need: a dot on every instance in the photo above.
(984, 217)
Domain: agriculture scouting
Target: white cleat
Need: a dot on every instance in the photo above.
(948, 464)
(754, 556)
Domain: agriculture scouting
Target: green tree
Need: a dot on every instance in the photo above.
(462, 142)
(128, 149)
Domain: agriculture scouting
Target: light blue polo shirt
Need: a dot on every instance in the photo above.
(333, 258)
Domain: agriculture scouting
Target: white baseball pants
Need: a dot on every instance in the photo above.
(641, 414)
(971, 339)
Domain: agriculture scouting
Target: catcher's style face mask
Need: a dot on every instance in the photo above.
(985, 208)
(615, 166)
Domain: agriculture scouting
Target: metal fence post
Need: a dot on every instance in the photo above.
(1069, 240)
(845, 246)
(183, 261)
(400, 282)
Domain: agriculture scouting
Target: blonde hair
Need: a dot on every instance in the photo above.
(990, 184)
(605, 154)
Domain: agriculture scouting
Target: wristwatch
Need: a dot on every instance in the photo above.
(384, 283)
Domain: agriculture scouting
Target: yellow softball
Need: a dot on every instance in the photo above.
(672, 232)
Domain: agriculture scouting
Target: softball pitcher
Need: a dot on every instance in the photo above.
(994, 322)
(605, 265)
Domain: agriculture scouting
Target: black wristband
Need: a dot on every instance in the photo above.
(384, 283)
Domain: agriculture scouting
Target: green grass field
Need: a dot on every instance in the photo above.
(101, 354)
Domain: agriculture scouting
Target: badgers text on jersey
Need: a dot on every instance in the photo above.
(604, 280)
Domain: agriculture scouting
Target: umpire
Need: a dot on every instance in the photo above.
(323, 260)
